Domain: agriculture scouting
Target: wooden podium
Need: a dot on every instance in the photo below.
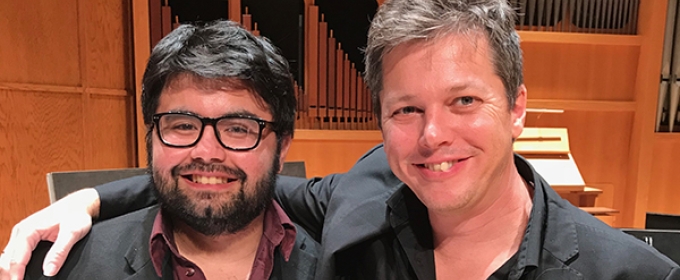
(547, 149)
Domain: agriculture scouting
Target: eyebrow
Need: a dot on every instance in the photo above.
(388, 102)
(455, 88)
(237, 113)
(240, 113)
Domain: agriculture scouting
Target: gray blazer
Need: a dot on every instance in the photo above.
(119, 249)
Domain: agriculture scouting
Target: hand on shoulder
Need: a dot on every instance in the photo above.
(65, 222)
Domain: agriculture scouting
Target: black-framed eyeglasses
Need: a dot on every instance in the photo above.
(237, 133)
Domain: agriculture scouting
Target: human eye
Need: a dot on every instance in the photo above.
(236, 129)
(406, 110)
(466, 101)
(180, 123)
(184, 126)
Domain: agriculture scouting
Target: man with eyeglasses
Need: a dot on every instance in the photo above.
(219, 108)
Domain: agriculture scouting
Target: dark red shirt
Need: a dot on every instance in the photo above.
(278, 231)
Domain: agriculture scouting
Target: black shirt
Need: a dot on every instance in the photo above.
(408, 247)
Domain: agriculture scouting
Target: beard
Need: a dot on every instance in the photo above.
(233, 212)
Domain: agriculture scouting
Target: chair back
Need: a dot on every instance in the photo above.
(59, 184)
(294, 169)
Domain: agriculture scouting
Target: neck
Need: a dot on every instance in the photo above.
(501, 216)
(474, 242)
(228, 247)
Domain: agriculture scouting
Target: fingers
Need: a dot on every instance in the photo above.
(17, 253)
(17, 270)
(4, 266)
(70, 232)
(64, 222)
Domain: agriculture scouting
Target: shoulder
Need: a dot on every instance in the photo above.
(373, 169)
(102, 252)
(605, 251)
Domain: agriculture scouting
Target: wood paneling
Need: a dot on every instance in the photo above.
(651, 27)
(664, 187)
(599, 143)
(65, 96)
(579, 71)
(106, 58)
(142, 51)
(39, 42)
(331, 151)
(39, 132)
(109, 132)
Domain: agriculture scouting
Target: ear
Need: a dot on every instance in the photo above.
(285, 145)
(519, 112)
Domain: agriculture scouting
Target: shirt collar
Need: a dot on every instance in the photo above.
(278, 231)
(406, 208)
(529, 250)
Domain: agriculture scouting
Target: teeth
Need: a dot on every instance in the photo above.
(441, 167)
(208, 180)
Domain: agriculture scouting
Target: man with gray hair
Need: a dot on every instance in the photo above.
(445, 197)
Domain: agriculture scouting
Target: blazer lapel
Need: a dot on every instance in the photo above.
(137, 254)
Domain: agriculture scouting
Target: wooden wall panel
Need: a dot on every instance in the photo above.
(579, 71)
(664, 187)
(37, 44)
(65, 96)
(110, 132)
(331, 151)
(39, 132)
(106, 58)
(651, 28)
(599, 143)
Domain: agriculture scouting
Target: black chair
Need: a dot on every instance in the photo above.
(294, 169)
(665, 241)
(59, 184)
(662, 221)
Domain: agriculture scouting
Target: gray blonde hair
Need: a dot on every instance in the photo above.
(403, 21)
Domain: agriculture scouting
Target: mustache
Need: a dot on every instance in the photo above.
(210, 167)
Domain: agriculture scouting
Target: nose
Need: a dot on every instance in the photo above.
(208, 147)
(436, 131)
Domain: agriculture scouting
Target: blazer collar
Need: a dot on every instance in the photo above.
(137, 253)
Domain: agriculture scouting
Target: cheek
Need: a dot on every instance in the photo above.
(396, 133)
(399, 141)
(250, 163)
(491, 122)
(255, 162)
(165, 158)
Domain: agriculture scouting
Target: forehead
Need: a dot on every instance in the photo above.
(210, 97)
(441, 50)
(440, 64)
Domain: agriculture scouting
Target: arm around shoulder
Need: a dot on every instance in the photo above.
(125, 196)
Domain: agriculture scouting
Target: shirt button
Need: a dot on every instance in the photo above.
(190, 272)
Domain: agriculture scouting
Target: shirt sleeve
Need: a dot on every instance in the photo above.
(125, 196)
(305, 201)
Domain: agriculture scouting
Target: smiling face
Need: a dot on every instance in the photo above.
(446, 122)
(210, 188)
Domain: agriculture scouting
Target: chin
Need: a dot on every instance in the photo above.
(445, 195)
